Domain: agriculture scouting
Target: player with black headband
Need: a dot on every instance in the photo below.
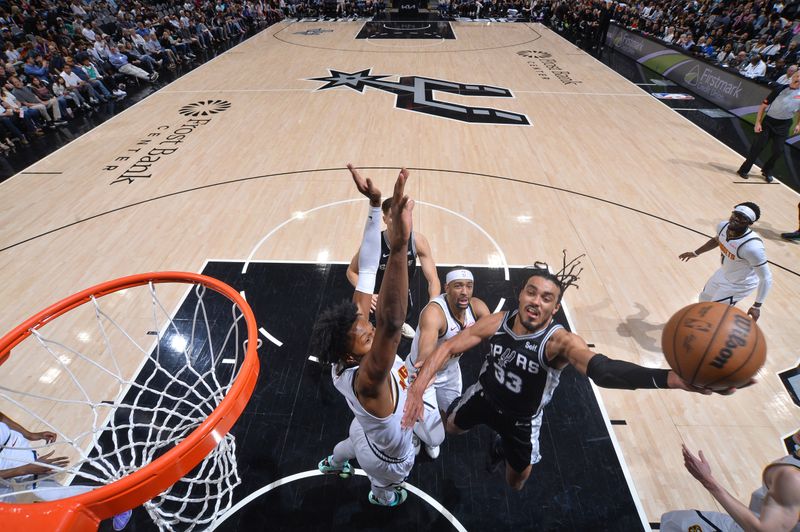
(744, 265)
(527, 351)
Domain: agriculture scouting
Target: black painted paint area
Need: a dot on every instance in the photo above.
(424, 29)
(295, 417)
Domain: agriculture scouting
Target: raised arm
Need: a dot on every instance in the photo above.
(368, 256)
(428, 266)
(352, 270)
(568, 348)
(47, 436)
(781, 506)
(708, 246)
(463, 341)
(432, 324)
(393, 301)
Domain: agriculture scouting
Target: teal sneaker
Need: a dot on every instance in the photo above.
(400, 496)
(346, 471)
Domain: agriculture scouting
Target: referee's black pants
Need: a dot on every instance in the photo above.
(771, 128)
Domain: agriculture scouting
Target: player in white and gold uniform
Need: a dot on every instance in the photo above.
(442, 318)
(365, 366)
(744, 265)
(775, 506)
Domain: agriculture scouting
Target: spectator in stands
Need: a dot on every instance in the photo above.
(685, 41)
(27, 98)
(756, 68)
(45, 94)
(120, 62)
(98, 86)
(35, 66)
(725, 56)
(75, 83)
(786, 78)
(12, 54)
(669, 35)
(61, 90)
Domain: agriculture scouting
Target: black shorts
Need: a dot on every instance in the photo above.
(520, 436)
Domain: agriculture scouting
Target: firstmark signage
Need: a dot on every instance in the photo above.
(138, 161)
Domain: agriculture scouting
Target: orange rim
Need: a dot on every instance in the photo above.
(85, 511)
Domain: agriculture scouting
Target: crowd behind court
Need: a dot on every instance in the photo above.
(62, 58)
(757, 38)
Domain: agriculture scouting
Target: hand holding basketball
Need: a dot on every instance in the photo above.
(714, 346)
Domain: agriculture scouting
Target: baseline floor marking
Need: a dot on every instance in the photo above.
(315, 472)
(625, 471)
(269, 337)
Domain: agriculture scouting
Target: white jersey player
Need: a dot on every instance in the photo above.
(441, 319)
(366, 369)
(774, 506)
(744, 261)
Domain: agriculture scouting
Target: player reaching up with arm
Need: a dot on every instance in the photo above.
(527, 351)
(365, 367)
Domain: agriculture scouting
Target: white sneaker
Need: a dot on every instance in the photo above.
(433, 452)
(416, 443)
(407, 331)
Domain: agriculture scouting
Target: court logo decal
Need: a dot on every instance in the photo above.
(205, 108)
(415, 93)
(138, 161)
(546, 66)
(315, 31)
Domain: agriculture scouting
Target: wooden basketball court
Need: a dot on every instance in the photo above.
(520, 145)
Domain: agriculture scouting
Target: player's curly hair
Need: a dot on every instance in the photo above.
(755, 208)
(567, 276)
(329, 338)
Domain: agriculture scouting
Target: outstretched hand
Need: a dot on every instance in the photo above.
(47, 436)
(414, 409)
(688, 255)
(365, 186)
(45, 463)
(674, 381)
(699, 468)
(401, 209)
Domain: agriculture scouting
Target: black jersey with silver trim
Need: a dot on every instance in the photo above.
(411, 254)
(515, 376)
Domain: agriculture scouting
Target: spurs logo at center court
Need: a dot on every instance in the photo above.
(415, 93)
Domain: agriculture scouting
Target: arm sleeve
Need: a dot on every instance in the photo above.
(369, 255)
(609, 373)
(755, 255)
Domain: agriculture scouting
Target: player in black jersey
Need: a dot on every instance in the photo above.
(418, 246)
(527, 351)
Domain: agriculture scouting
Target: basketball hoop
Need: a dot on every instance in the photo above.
(163, 441)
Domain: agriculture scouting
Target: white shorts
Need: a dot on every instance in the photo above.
(383, 473)
(445, 389)
(448, 385)
(697, 521)
(718, 288)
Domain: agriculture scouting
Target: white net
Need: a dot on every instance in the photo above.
(120, 381)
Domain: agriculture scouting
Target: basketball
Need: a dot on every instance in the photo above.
(713, 345)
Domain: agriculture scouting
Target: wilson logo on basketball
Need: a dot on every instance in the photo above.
(205, 108)
(737, 337)
(697, 325)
